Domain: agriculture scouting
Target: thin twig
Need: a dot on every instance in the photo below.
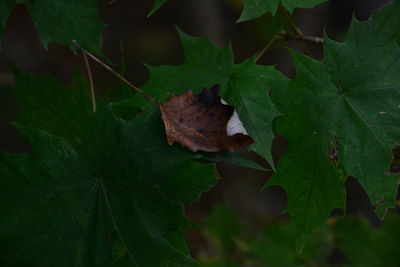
(267, 46)
(290, 20)
(116, 73)
(90, 82)
(303, 38)
(297, 31)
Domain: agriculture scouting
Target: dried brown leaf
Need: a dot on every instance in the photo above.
(199, 122)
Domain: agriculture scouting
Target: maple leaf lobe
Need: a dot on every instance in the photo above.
(199, 122)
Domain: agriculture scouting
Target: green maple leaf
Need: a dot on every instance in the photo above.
(256, 8)
(347, 104)
(62, 110)
(46, 104)
(118, 203)
(368, 247)
(62, 21)
(244, 86)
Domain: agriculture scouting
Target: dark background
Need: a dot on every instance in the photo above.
(129, 36)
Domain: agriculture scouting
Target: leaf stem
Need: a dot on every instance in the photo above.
(290, 20)
(267, 46)
(115, 73)
(90, 82)
(296, 30)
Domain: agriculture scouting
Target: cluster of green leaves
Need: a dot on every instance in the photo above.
(347, 105)
(98, 189)
(347, 241)
(105, 188)
(244, 86)
(340, 118)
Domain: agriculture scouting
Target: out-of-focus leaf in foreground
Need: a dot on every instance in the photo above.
(368, 247)
(223, 228)
(341, 118)
(276, 247)
(118, 203)
(244, 244)
(156, 6)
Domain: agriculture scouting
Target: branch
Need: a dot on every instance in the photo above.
(90, 82)
(115, 73)
(296, 30)
(304, 38)
(276, 37)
